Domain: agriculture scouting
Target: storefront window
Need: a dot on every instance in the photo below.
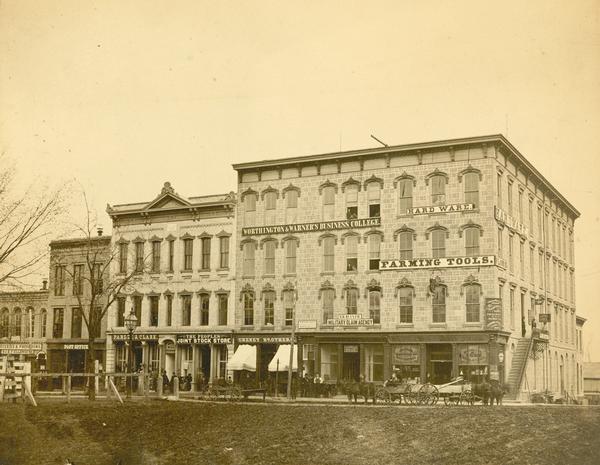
(406, 362)
(154, 357)
(308, 358)
(222, 357)
(329, 362)
(373, 362)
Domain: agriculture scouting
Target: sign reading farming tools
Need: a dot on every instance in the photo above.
(447, 262)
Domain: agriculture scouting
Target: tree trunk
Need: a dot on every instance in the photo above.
(90, 359)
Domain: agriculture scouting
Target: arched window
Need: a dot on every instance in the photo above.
(291, 246)
(29, 323)
(472, 241)
(328, 254)
(269, 247)
(4, 322)
(248, 309)
(374, 199)
(249, 200)
(438, 303)
(351, 292)
(351, 201)
(43, 322)
(17, 322)
(204, 309)
(288, 306)
(375, 305)
(438, 243)
(328, 194)
(405, 239)
(270, 198)
(374, 249)
(471, 180)
(473, 303)
(405, 303)
(351, 253)
(438, 190)
(249, 249)
(405, 196)
(328, 298)
(269, 307)
(291, 206)
(186, 310)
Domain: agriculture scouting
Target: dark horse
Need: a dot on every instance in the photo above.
(490, 392)
(355, 389)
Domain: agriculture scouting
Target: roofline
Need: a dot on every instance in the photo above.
(493, 138)
(209, 205)
(79, 240)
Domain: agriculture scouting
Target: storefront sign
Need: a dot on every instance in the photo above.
(307, 324)
(350, 320)
(493, 313)
(311, 227)
(407, 355)
(545, 317)
(169, 348)
(351, 349)
(263, 339)
(448, 262)
(7, 346)
(509, 221)
(207, 338)
(472, 354)
(75, 346)
(136, 337)
(455, 207)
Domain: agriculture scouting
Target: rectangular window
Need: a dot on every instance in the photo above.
(405, 300)
(499, 189)
(57, 326)
(249, 250)
(139, 257)
(375, 306)
(248, 309)
(43, 323)
(405, 196)
(438, 190)
(512, 308)
(374, 199)
(121, 312)
(123, 258)
(500, 252)
(288, 307)
(438, 243)
(98, 279)
(186, 310)
(270, 200)
(522, 257)
(223, 299)
(509, 198)
(328, 254)
(59, 280)
(169, 318)
(541, 269)
(472, 242)
(328, 203)
(76, 322)
(373, 362)
(520, 206)
(224, 252)
(352, 253)
(472, 188)
(352, 301)
(540, 225)
(290, 256)
(269, 247)
(291, 206)
(406, 245)
(473, 302)
(137, 308)
(510, 251)
(205, 242)
(531, 267)
(188, 254)
(156, 257)
(269, 308)
(329, 362)
(351, 202)
(204, 309)
(171, 256)
(530, 216)
(153, 310)
(249, 208)
(77, 279)
(374, 251)
(438, 302)
(327, 296)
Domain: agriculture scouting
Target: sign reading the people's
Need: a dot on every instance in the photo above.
(451, 208)
(204, 338)
(446, 262)
(311, 227)
(350, 320)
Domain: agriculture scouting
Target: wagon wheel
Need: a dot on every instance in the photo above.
(452, 399)
(467, 398)
(428, 394)
(383, 396)
(234, 393)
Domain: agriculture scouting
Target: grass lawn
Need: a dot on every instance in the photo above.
(221, 433)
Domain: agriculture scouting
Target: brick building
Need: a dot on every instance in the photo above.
(433, 259)
(182, 289)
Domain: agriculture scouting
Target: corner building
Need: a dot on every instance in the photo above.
(420, 258)
(179, 250)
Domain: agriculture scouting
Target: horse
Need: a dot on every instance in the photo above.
(355, 389)
(490, 391)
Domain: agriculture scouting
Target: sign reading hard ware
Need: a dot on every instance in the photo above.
(311, 227)
(455, 207)
(493, 313)
(509, 221)
(204, 339)
(350, 320)
(407, 354)
(446, 262)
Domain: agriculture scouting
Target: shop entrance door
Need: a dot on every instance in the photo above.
(267, 352)
(76, 364)
(205, 361)
(439, 363)
(351, 363)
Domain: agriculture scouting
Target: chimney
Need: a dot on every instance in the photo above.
(44, 284)
(99, 229)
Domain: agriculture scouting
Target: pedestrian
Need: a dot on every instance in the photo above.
(318, 381)
(165, 381)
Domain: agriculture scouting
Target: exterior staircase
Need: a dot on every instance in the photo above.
(518, 366)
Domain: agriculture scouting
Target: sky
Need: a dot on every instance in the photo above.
(121, 96)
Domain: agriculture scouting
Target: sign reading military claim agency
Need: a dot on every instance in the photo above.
(446, 262)
(350, 320)
(455, 207)
(311, 227)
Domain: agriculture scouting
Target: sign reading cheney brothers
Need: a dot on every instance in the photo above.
(446, 262)
(350, 320)
(311, 227)
(455, 207)
(493, 313)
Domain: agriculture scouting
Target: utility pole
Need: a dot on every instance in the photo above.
(292, 337)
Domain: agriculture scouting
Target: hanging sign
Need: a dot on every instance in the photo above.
(407, 354)
(493, 313)
(455, 207)
(312, 227)
(446, 262)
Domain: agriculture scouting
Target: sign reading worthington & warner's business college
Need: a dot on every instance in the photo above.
(455, 207)
(446, 262)
(311, 227)
(350, 320)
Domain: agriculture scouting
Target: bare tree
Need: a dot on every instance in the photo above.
(26, 220)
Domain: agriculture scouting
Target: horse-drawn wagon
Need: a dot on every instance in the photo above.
(454, 393)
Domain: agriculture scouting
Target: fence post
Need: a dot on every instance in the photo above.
(108, 390)
(176, 386)
(96, 377)
(159, 387)
(68, 388)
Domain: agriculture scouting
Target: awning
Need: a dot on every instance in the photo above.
(283, 355)
(244, 358)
